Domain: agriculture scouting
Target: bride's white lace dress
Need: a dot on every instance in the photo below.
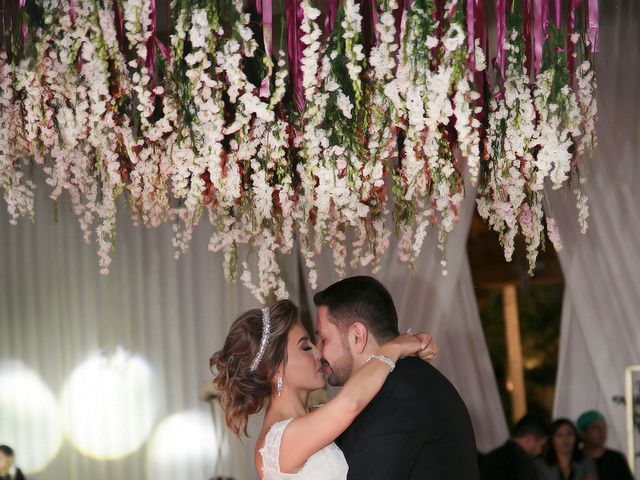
(327, 464)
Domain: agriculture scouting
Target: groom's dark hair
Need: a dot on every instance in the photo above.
(360, 299)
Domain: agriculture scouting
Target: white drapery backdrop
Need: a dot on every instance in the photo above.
(600, 333)
(57, 311)
(446, 307)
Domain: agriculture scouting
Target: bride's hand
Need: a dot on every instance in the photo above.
(403, 346)
(431, 350)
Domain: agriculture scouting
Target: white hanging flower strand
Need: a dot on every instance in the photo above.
(266, 327)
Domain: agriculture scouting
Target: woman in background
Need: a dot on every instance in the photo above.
(563, 459)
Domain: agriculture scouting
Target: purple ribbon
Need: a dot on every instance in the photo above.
(452, 9)
(374, 19)
(480, 27)
(367, 27)
(594, 26)
(475, 18)
(471, 34)
(501, 12)
(540, 11)
(557, 11)
(482, 33)
(399, 13)
(330, 17)
(526, 12)
(475, 30)
(265, 8)
(23, 27)
(295, 16)
(571, 26)
(119, 28)
(2, 14)
(154, 41)
(439, 15)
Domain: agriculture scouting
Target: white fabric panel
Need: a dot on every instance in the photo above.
(445, 307)
(600, 333)
(577, 370)
(56, 310)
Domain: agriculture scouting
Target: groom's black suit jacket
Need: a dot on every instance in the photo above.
(417, 427)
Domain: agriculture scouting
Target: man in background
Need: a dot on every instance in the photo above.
(514, 459)
(8, 470)
(611, 464)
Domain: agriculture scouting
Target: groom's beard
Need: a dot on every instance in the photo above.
(340, 370)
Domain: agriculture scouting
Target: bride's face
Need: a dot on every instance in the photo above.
(304, 367)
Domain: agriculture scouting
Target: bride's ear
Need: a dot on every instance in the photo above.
(358, 337)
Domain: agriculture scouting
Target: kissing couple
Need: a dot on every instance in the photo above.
(396, 417)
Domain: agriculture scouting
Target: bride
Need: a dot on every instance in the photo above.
(268, 360)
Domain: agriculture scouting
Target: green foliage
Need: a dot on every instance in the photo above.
(554, 58)
(344, 131)
(419, 24)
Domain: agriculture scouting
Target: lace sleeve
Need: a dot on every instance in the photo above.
(270, 452)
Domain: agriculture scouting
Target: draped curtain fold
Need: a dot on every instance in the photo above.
(600, 333)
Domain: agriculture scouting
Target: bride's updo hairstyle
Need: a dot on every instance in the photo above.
(244, 391)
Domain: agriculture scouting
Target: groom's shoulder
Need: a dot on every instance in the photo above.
(425, 392)
(409, 369)
(419, 376)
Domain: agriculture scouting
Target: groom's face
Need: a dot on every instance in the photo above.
(334, 347)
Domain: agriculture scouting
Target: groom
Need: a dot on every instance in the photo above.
(417, 427)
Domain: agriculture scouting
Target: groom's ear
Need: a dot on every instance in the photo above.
(358, 337)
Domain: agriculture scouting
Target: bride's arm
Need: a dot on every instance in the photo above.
(306, 435)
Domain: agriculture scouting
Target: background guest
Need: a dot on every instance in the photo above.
(514, 460)
(8, 470)
(611, 465)
(563, 459)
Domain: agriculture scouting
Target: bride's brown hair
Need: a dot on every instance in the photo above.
(243, 392)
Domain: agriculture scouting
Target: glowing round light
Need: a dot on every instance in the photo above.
(183, 445)
(109, 405)
(30, 417)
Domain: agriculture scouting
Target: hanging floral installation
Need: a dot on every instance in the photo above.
(330, 128)
(536, 130)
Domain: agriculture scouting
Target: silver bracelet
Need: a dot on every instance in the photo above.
(384, 359)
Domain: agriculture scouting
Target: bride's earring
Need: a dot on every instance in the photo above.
(280, 381)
